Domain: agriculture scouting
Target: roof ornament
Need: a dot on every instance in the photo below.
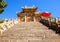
(33, 5)
(25, 6)
(22, 7)
(16, 12)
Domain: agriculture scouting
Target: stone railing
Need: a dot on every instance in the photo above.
(7, 24)
(53, 23)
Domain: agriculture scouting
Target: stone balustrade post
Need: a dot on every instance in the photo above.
(1, 33)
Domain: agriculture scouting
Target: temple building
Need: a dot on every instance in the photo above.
(29, 13)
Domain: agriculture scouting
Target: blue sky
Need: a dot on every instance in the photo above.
(14, 6)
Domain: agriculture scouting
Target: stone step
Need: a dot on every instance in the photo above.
(40, 40)
(45, 40)
(29, 32)
(30, 40)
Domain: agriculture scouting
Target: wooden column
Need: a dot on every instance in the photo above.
(25, 18)
(34, 19)
(20, 19)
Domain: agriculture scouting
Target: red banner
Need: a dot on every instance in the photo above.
(46, 14)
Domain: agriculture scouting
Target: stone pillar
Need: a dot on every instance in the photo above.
(25, 18)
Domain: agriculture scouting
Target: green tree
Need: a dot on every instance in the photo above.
(3, 4)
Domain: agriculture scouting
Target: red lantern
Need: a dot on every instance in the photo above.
(46, 14)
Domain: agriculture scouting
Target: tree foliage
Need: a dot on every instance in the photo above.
(3, 4)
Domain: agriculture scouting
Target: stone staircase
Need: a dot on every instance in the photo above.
(29, 32)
